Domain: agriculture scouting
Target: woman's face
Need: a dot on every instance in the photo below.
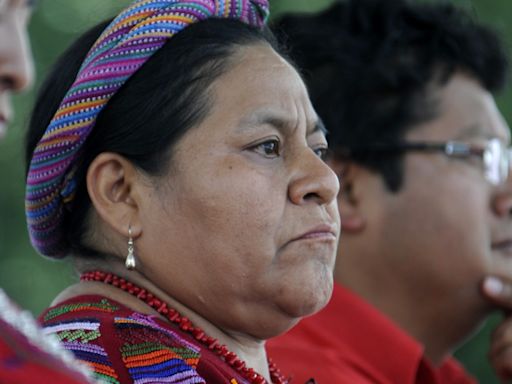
(243, 229)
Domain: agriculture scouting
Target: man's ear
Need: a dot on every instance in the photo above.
(113, 185)
(352, 218)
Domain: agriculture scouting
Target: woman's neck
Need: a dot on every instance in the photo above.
(247, 348)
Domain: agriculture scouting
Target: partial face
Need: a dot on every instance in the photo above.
(245, 226)
(449, 226)
(15, 57)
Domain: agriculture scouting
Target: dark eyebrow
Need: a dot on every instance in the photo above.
(320, 126)
(280, 122)
(472, 131)
(264, 118)
(475, 131)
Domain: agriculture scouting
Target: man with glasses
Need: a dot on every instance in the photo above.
(405, 90)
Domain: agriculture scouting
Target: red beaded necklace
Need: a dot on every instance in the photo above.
(186, 325)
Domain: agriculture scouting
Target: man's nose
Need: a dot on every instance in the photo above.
(502, 203)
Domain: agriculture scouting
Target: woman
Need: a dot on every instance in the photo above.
(189, 188)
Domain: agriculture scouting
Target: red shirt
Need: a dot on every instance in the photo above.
(351, 342)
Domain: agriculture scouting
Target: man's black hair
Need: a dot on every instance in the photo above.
(369, 64)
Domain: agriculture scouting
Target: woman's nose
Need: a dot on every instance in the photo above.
(314, 181)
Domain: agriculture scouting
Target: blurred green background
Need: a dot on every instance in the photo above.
(33, 281)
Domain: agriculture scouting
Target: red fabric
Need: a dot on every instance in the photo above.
(351, 342)
(22, 363)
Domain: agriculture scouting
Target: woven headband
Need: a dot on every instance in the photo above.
(125, 45)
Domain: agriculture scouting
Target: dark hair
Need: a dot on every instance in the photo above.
(151, 112)
(369, 63)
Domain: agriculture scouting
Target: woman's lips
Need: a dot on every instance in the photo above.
(319, 232)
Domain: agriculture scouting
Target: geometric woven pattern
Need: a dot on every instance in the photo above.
(156, 355)
(100, 306)
(75, 337)
(131, 347)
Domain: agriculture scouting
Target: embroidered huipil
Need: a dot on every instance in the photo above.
(124, 346)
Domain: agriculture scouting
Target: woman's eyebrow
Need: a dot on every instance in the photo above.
(319, 126)
(265, 117)
(279, 121)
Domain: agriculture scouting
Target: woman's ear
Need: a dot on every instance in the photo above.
(113, 185)
(352, 218)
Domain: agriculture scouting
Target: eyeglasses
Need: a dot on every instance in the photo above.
(496, 156)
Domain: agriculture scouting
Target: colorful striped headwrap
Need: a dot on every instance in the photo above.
(125, 45)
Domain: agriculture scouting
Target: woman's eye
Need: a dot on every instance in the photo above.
(321, 152)
(269, 148)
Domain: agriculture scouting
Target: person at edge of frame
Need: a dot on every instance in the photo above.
(26, 354)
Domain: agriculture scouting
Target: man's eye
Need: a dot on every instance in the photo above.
(269, 148)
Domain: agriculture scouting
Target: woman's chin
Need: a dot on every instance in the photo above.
(308, 300)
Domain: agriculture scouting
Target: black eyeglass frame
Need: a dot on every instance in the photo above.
(496, 156)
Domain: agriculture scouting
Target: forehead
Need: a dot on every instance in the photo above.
(464, 110)
(262, 82)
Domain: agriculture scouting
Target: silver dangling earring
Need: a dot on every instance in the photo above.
(130, 257)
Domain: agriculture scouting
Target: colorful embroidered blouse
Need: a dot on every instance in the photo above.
(124, 346)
